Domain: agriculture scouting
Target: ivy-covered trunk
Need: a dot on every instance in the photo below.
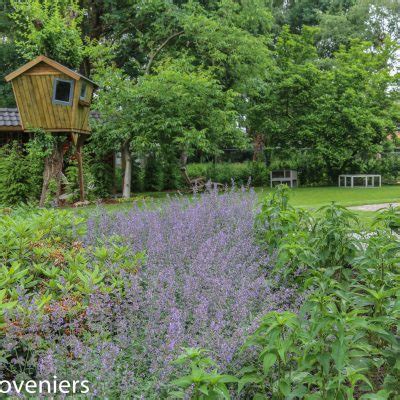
(52, 172)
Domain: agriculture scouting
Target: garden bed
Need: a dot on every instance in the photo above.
(116, 298)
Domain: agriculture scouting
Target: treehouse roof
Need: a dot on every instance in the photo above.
(9, 117)
(63, 69)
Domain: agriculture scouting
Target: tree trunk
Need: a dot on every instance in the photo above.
(52, 170)
(183, 158)
(126, 191)
(114, 169)
(258, 147)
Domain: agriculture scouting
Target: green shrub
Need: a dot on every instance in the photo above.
(387, 165)
(344, 341)
(18, 182)
(172, 178)
(313, 170)
(93, 188)
(137, 176)
(225, 173)
(311, 166)
(153, 174)
(43, 262)
(72, 187)
(99, 174)
(204, 379)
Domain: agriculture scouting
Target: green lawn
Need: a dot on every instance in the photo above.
(319, 196)
(308, 197)
(312, 197)
(315, 197)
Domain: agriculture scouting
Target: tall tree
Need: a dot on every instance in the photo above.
(341, 108)
(222, 38)
(370, 20)
(282, 105)
(358, 105)
(49, 27)
(9, 58)
(177, 109)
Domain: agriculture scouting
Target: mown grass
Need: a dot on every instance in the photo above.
(319, 196)
(315, 197)
(308, 197)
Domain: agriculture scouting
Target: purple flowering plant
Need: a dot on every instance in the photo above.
(203, 285)
(202, 281)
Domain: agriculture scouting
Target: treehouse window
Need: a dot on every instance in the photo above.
(63, 91)
(82, 95)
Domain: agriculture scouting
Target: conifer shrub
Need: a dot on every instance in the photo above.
(17, 184)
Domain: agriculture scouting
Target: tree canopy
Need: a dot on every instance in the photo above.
(178, 77)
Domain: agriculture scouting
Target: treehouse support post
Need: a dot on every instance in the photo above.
(78, 142)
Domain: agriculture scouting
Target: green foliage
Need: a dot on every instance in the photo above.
(72, 187)
(227, 36)
(102, 175)
(339, 111)
(22, 166)
(278, 219)
(230, 40)
(364, 19)
(99, 172)
(16, 175)
(240, 173)
(38, 148)
(313, 78)
(97, 176)
(309, 164)
(41, 253)
(172, 176)
(49, 27)
(9, 59)
(179, 107)
(42, 259)
(204, 380)
(362, 105)
(176, 91)
(312, 167)
(343, 342)
(153, 174)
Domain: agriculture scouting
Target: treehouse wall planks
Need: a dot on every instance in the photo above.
(34, 90)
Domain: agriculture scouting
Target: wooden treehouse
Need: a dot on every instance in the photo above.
(53, 98)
